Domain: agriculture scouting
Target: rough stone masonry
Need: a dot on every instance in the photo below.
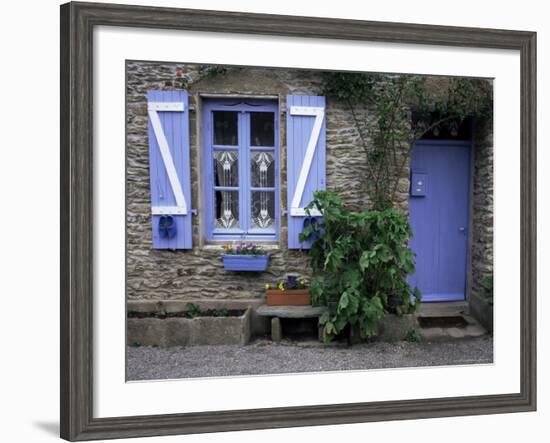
(198, 274)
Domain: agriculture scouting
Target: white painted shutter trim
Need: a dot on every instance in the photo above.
(181, 204)
(165, 106)
(319, 114)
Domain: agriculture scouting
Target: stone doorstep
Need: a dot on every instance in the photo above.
(449, 309)
(470, 331)
(443, 309)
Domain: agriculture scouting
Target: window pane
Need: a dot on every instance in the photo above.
(262, 170)
(226, 128)
(263, 209)
(226, 168)
(262, 129)
(227, 209)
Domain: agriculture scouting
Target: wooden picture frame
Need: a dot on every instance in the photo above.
(77, 23)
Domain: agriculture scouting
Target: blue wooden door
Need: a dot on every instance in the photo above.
(439, 208)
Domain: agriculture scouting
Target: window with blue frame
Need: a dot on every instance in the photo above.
(241, 152)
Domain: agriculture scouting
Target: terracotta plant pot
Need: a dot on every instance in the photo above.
(289, 297)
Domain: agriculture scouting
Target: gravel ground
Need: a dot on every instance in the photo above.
(265, 357)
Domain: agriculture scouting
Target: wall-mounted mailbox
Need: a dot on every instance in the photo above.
(419, 185)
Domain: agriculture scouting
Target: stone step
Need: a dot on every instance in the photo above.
(443, 309)
(470, 331)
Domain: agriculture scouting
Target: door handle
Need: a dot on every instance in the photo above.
(462, 229)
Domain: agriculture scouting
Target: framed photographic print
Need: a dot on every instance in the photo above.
(272, 221)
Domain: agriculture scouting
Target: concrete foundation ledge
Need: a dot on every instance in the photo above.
(396, 328)
(181, 331)
(181, 305)
(392, 328)
(259, 325)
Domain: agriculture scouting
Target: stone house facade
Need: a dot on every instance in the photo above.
(175, 277)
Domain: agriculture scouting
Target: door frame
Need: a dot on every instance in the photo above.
(469, 264)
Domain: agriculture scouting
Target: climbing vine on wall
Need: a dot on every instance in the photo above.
(382, 107)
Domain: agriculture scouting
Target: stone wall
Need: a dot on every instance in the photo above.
(198, 273)
(482, 222)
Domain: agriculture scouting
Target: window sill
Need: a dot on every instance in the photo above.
(269, 247)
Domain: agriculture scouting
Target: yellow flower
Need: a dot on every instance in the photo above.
(282, 286)
(303, 282)
(267, 286)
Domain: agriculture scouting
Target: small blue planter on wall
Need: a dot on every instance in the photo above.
(236, 262)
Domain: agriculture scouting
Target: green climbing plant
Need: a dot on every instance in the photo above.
(391, 112)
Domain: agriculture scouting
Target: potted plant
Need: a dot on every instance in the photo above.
(289, 292)
(245, 257)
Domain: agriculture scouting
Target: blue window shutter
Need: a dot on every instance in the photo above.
(305, 120)
(170, 169)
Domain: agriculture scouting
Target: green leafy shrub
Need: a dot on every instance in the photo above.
(360, 263)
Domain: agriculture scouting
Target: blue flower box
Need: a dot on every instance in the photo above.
(245, 262)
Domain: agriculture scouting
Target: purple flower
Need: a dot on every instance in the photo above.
(245, 248)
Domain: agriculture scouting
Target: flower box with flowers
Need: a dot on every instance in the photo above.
(245, 257)
(292, 292)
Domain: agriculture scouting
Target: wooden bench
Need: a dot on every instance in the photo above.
(278, 312)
